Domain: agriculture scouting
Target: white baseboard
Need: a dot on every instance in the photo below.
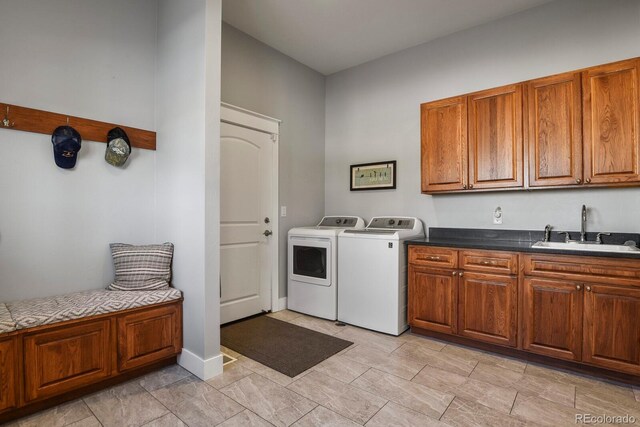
(282, 304)
(203, 369)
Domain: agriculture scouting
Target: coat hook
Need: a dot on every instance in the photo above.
(6, 123)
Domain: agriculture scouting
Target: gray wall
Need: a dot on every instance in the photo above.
(261, 79)
(55, 224)
(188, 117)
(372, 113)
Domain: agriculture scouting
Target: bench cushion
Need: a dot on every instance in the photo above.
(6, 321)
(45, 311)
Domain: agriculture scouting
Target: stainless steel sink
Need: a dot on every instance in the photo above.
(580, 246)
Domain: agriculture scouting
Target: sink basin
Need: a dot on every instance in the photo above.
(577, 246)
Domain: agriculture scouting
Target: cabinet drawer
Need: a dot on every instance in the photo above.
(149, 336)
(603, 270)
(489, 262)
(433, 256)
(66, 359)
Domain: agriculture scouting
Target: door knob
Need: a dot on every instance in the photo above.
(267, 233)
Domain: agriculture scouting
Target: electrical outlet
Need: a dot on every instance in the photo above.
(497, 215)
(283, 211)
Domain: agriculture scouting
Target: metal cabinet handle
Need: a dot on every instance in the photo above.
(434, 258)
(578, 180)
(464, 186)
(267, 233)
(588, 288)
(470, 185)
(460, 274)
(588, 180)
(454, 273)
(578, 287)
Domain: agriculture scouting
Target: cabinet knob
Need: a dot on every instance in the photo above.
(460, 274)
(464, 186)
(578, 287)
(454, 273)
(588, 288)
(470, 185)
(578, 180)
(588, 180)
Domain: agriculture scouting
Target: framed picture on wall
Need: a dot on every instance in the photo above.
(373, 176)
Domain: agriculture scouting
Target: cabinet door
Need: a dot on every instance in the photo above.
(554, 109)
(611, 119)
(488, 308)
(433, 295)
(444, 145)
(65, 359)
(612, 327)
(552, 318)
(149, 336)
(8, 374)
(495, 138)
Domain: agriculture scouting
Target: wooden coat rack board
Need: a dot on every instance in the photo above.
(25, 119)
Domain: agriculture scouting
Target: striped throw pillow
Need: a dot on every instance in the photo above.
(141, 268)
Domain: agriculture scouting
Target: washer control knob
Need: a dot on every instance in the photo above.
(392, 221)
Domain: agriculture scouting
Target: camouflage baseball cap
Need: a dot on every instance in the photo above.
(118, 147)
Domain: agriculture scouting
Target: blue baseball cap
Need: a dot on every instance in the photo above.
(66, 144)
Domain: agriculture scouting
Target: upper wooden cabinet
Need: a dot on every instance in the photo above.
(495, 138)
(554, 109)
(444, 145)
(580, 128)
(611, 120)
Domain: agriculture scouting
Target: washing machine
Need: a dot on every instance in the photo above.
(372, 275)
(313, 266)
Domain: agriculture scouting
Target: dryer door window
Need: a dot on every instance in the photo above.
(310, 260)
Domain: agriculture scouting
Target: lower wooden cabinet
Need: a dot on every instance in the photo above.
(66, 358)
(433, 296)
(148, 336)
(612, 327)
(8, 374)
(488, 308)
(579, 309)
(552, 318)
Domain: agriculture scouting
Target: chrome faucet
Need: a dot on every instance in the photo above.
(547, 232)
(583, 228)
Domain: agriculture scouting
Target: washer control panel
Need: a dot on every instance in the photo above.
(392, 223)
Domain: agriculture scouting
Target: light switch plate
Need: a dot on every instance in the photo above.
(283, 211)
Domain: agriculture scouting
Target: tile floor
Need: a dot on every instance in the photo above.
(378, 381)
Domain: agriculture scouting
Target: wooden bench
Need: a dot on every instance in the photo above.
(57, 349)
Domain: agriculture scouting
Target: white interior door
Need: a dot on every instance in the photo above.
(245, 216)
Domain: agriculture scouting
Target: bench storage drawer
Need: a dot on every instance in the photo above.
(8, 373)
(149, 336)
(66, 358)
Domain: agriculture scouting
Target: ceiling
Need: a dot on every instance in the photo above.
(333, 35)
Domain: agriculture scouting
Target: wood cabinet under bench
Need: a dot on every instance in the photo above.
(46, 365)
(579, 309)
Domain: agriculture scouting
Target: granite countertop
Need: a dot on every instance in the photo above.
(518, 241)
